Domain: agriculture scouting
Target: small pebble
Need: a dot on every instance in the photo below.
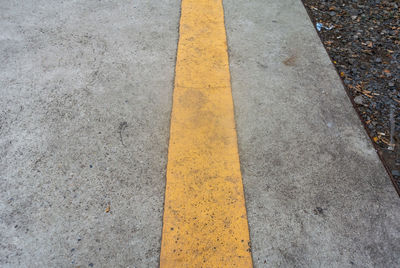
(359, 100)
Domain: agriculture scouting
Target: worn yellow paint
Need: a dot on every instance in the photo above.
(205, 221)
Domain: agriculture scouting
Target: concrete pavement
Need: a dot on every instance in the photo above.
(317, 195)
(86, 95)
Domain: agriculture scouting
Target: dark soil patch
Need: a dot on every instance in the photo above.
(362, 38)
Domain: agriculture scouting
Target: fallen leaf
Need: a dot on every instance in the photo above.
(386, 141)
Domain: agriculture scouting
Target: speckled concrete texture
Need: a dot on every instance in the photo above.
(86, 94)
(316, 192)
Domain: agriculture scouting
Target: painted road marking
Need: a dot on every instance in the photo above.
(205, 221)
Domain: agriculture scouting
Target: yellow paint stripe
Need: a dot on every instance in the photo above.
(205, 221)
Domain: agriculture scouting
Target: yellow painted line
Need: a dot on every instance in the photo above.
(205, 221)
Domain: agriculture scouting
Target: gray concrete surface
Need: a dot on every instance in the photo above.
(316, 192)
(86, 90)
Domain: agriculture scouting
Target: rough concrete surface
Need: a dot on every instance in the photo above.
(86, 91)
(317, 194)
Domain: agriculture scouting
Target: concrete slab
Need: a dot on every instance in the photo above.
(86, 92)
(316, 192)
